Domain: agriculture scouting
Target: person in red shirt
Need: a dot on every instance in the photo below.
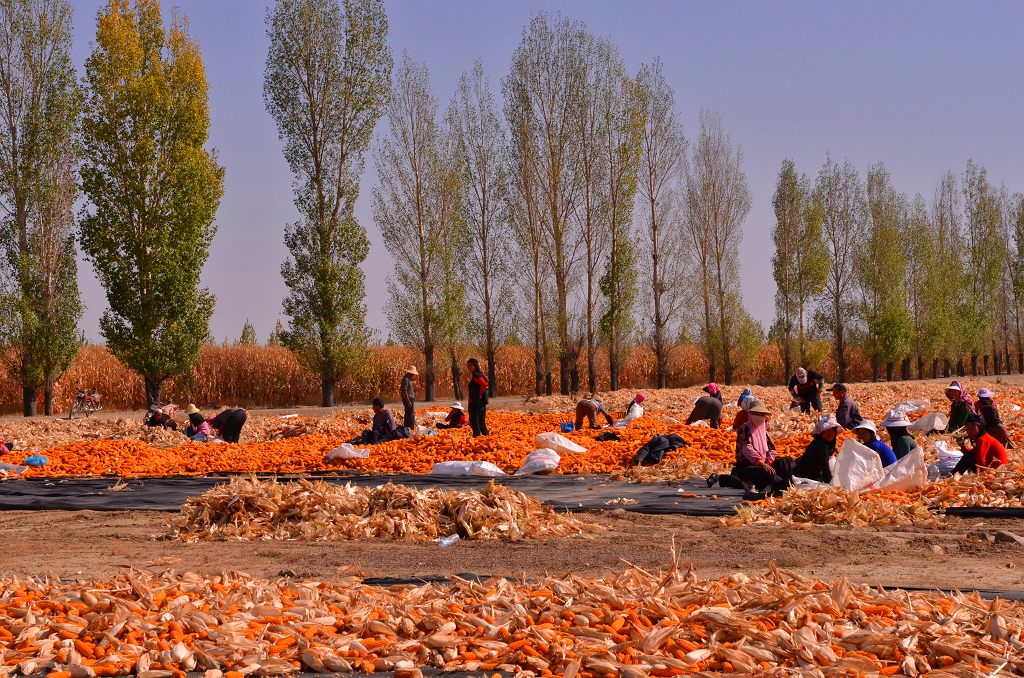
(984, 450)
(456, 417)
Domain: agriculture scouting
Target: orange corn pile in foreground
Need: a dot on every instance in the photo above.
(634, 624)
(511, 440)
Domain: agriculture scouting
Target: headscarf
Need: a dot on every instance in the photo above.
(759, 435)
(712, 388)
(639, 398)
(747, 393)
(801, 375)
(957, 386)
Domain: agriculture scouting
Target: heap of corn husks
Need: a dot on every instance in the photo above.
(635, 623)
(249, 509)
(837, 506)
(676, 468)
(990, 488)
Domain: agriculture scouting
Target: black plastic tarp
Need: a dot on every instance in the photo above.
(567, 492)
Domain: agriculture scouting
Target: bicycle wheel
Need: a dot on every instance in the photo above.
(74, 410)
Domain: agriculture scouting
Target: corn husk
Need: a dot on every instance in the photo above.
(836, 506)
(633, 623)
(249, 509)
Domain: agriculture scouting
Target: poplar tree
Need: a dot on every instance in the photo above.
(39, 301)
(327, 79)
(152, 186)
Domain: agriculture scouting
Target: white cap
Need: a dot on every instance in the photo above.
(456, 405)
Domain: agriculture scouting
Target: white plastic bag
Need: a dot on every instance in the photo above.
(948, 457)
(807, 484)
(908, 473)
(911, 406)
(484, 469)
(558, 443)
(539, 461)
(857, 467)
(635, 412)
(12, 469)
(935, 421)
(346, 451)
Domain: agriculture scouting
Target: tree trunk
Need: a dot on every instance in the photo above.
(28, 401)
(787, 353)
(974, 364)
(889, 371)
(428, 355)
(574, 375)
(48, 398)
(152, 390)
(840, 342)
(935, 368)
(920, 366)
(947, 368)
(876, 371)
(985, 363)
(563, 373)
(327, 393)
(492, 389)
(456, 374)
(548, 383)
(960, 372)
(538, 372)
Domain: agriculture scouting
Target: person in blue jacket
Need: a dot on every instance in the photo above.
(867, 433)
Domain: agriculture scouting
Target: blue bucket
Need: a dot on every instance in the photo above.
(566, 427)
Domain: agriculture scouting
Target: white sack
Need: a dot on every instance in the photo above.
(908, 473)
(911, 406)
(539, 461)
(346, 451)
(935, 421)
(466, 468)
(558, 443)
(948, 457)
(635, 412)
(857, 467)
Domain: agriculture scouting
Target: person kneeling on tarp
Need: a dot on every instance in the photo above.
(456, 417)
(867, 433)
(983, 451)
(758, 470)
(228, 423)
(813, 464)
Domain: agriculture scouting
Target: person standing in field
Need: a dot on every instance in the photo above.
(478, 398)
(806, 386)
(409, 397)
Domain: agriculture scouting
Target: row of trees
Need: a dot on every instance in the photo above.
(919, 287)
(570, 211)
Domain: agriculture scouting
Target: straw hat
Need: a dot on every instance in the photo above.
(456, 405)
(413, 371)
(759, 408)
(895, 419)
(868, 425)
(191, 409)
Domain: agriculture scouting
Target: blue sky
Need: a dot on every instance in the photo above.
(923, 85)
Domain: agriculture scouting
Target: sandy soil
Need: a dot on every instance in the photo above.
(90, 544)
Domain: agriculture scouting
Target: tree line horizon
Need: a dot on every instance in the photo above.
(571, 213)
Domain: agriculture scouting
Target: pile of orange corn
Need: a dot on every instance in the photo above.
(634, 623)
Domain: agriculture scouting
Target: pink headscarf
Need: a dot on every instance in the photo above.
(639, 398)
(712, 388)
(957, 386)
(758, 450)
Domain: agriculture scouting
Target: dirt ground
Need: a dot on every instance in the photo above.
(93, 544)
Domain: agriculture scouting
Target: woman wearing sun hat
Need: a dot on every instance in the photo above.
(456, 417)
(989, 411)
(960, 406)
(867, 433)
(757, 470)
(896, 424)
(813, 464)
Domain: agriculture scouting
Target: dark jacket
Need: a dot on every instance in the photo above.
(654, 451)
(706, 407)
(815, 382)
(902, 445)
(408, 394)
(478, 389)
(813, 463)
(383, 424)
(847, 413)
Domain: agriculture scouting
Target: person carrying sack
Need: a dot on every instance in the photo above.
(478, 398)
